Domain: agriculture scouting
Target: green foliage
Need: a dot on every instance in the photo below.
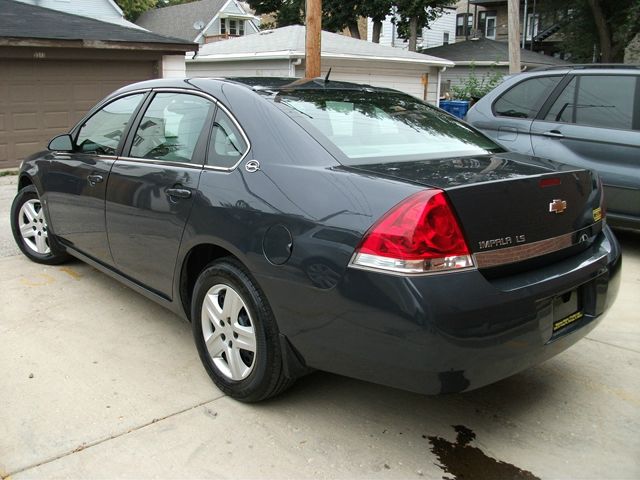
(580, 34)
(476, 86)
(133, 8)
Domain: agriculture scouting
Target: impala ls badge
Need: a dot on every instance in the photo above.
(557, 206)
(252, 166)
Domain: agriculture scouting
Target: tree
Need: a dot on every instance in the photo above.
(597, 28)
(377, 10)
(414, 15)
(340, 14)
(133, 8)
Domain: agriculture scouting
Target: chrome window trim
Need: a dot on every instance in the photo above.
(150, 161)
(218, 104)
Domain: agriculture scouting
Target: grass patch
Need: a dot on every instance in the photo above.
(7, 173)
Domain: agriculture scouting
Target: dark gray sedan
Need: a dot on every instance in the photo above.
(587, 116)
(325, 225)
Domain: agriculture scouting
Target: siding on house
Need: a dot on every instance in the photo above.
(431, 37)
(102, 10)
(457, 76)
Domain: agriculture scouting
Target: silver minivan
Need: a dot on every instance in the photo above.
(587, 116)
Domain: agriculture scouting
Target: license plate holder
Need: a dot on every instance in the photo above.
(567, 310)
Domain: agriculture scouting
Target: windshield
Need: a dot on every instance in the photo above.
(372, 126)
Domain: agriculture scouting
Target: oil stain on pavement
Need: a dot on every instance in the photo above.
(465, 462)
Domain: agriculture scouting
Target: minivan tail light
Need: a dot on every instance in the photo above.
(419, 235)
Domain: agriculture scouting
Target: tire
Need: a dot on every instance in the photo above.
(27, 216)
(231, 313)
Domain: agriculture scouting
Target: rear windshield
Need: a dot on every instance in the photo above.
(373, 127)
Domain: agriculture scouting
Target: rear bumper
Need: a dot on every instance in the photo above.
(449, 332)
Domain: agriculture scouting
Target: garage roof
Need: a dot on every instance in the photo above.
(289, 42)
(23, 21)
(484, 51)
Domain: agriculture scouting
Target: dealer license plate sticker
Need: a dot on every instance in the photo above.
(574, 317)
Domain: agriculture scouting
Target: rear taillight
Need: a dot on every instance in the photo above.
(419, 235)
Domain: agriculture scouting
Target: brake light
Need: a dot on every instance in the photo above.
(419, 235)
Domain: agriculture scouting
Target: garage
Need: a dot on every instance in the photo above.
(39, 99)
(57, 66)
(280, 52)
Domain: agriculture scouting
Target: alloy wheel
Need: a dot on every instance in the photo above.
(228, 332)
(33, 227)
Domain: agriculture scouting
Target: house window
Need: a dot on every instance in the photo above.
(445, 38)
(231, 26)
(533, 21)
(460, 30)
(487, 24)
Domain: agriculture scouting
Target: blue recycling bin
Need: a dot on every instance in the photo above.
(459, 108)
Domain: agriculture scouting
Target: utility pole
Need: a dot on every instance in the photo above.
(513, 21)
(314, 34)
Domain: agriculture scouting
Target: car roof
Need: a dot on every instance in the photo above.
(268, 85)
(596, 67)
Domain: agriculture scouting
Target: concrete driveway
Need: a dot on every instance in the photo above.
(98, 382)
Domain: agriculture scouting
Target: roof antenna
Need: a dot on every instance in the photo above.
(326, 79)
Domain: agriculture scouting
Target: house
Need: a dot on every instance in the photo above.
(201, 22)
(281, 53)
(441, 31)
(484, 57)
(54, 66)
(540, 28)
(103, 10)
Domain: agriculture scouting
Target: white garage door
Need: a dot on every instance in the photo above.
(42, 98)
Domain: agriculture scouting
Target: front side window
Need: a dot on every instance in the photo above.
(101, 133)
(227, 145)
(525, 99)
(171, 127)
(378, 126)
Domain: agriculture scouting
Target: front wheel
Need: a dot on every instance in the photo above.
(236, 334)
(30, 229)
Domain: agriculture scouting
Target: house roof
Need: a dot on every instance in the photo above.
(489, 52)
(23, 21)
(178, 20)
(289, 42)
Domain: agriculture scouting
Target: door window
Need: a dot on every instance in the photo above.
(606, 101)
(101, 134)
(227, 144)
(171, 127)
(596, 101)
(525, 99)
(563, 109)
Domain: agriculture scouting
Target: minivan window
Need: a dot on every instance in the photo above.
(101, 133)
(171, 127)
(374, 126)
(525, 99)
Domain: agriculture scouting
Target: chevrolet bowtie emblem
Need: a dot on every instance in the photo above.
(557, 206)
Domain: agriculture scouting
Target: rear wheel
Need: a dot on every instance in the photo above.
(236, 334)
(30, 229)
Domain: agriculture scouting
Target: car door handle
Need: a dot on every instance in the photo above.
(94, 179)
(553, 134)
(178, 192)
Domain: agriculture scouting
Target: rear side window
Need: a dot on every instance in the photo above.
(227, 144)
(101, 134)
(525, 99)
(606, 101)
(171, 128)
(598, 101)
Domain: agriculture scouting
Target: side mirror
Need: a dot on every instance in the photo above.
(61, 143)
